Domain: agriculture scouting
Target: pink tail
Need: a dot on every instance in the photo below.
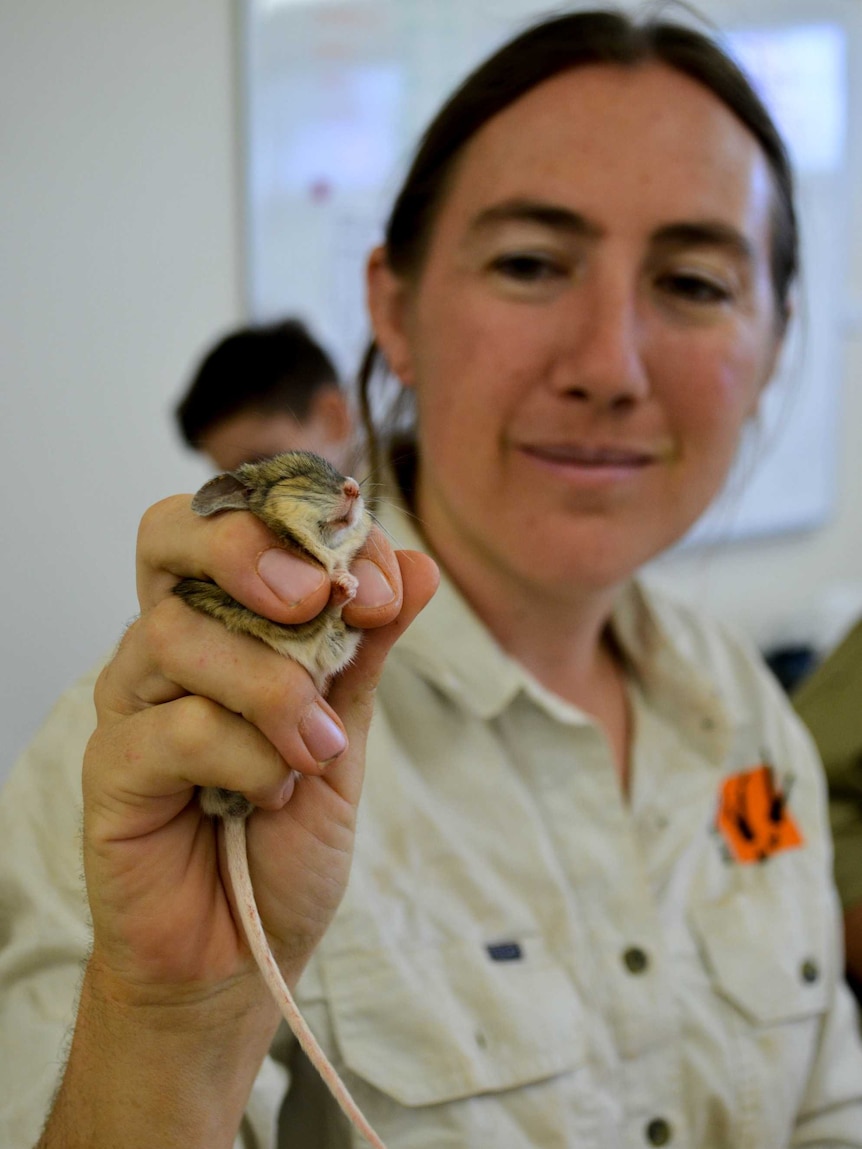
(237, 857)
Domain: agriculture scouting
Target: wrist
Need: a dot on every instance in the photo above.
(148, 1072)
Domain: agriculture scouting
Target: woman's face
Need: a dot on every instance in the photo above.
(592, 325)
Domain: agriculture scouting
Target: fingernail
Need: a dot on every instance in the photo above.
(323, 737)
(374, 588)
(290, 578)
(289, 787)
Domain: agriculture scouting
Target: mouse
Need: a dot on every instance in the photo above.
(320, 514)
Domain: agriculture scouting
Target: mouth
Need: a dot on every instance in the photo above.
(349, 511)
(342, 522)
(598, 457)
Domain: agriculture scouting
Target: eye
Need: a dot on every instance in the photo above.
(527, 267)
(695, 287)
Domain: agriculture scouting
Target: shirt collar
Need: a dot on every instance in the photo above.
(450, 647)
(447, 643)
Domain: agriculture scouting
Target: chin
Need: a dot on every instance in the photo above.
(595, 556)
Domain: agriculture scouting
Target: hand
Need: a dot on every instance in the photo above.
(173, 1019)
(184, 704)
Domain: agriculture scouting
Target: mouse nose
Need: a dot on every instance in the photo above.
(351, 502)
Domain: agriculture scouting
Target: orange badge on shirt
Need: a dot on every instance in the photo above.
(753, 817)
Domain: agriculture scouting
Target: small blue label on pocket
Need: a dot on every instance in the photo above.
(505, 951)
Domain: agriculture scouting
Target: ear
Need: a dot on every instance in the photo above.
(387, 304)
(223, 493)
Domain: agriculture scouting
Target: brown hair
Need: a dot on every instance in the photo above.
(544, 50)
(268, 368)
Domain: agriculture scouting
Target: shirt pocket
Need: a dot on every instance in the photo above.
(434, 1024)
(768, 952)
(770, 960)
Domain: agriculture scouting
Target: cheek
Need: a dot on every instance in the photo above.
(476, 373)
(716, 389)
(740, 379)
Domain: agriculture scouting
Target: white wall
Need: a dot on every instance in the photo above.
(120, 260)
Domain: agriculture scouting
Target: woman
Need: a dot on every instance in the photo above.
(590, 900)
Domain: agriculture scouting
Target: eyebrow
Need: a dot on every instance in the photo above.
(695, 233)
(535, 211)
(705, 233)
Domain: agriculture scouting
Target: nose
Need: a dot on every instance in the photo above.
(603, 362)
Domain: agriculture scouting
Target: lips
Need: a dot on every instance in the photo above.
(584, 455)
(347, 516)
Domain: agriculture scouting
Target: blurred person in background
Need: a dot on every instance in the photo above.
(265, 389)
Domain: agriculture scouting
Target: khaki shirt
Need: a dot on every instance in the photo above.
(830, 704)
(523, 957)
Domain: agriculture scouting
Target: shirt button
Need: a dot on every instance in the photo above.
(658, 1132)
(810, 971)
(635, 959)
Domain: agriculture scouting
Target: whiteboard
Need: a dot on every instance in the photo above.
(336, 92)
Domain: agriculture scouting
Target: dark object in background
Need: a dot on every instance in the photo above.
(790, 664)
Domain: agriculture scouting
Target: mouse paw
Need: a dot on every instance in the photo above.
(344, 586)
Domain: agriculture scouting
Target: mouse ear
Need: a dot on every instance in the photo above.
(223, 493)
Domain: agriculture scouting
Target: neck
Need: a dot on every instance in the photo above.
(563, 640)
(559, 631)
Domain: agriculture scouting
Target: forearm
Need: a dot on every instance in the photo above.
(149, 1076)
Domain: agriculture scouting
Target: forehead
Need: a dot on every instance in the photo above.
(250, 435)
(646, 142)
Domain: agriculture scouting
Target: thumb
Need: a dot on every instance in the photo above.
(420, 577)
(352, 692)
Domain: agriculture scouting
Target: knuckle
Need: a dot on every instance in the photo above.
(152, 524)
(192, 725)
(239, 533)
(267, 709)
(108, 686)
(287, 685)
(102, 690)
(164, 629)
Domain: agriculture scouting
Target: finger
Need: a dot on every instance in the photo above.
(143, 772)
(379, 594)
(308, 843)
(173, 650)
(233, 549)
(352, 692)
